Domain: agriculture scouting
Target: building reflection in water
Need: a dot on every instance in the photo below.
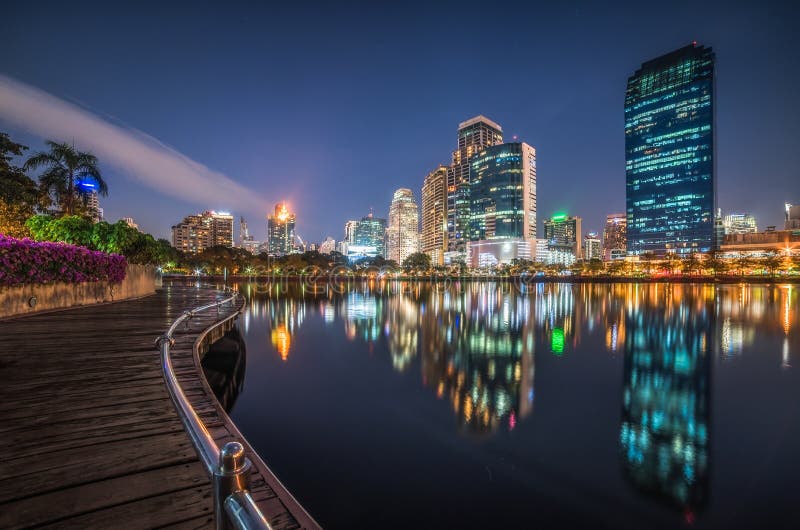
(666, 398)
(224, 367)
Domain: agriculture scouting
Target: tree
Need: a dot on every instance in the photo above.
(19, 195)
(716, 265)
(772, 263)
(595, 265)
(418, 261)
(691, 264)
(63, 166)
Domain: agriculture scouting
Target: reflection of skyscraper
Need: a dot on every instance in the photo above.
(400, 326)
(666, 399)
(285, 316)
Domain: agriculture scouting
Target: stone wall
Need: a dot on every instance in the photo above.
(140, 280)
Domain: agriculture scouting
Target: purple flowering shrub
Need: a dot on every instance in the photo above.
(26, 261)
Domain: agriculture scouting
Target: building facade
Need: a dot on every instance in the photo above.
(281, 231)
(365, 238)
(402, 231)
(201, 231)
(473, 136)
(669, 153)
(592, 246)
(739, 223)
(791, 216)
(433, 237)
(615, 236)
(327, 246)
(563, 235)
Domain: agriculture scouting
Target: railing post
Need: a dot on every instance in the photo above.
(232, 475)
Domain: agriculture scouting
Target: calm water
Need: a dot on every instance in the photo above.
(622, 406)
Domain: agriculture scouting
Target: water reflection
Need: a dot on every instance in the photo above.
(474, 346)
(664, 433)
(224, 368)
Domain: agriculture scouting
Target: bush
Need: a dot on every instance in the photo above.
(23, 261)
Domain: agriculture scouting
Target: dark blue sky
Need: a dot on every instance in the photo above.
(333, 107)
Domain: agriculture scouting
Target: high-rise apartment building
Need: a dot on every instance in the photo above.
(86, 191)
(402, 231)
(615, 236)
(739, 223)
(365, 238)
(201, 231)
(563, 234)
(281, 231)
(473, 136)
(669, 153)
(327, 246)
(433, 238)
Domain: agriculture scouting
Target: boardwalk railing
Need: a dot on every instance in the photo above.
(229, 468)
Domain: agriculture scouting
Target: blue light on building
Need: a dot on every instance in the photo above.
(669, 153)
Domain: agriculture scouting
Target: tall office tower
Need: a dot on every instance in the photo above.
(615, 237)
(365, 238)
(669, 153)
(402, 232)
(792, 217)
(473, 135)
(281, 231)
(433, 238)
(201, 231)
(502, 204)
(739, 223)
(563, 234)
(591, 246)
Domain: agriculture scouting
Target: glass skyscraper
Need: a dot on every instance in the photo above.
(669, 153)
(280, 231)
(503, 193)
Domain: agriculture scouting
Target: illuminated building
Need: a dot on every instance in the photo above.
(502, 203)
(201, 231)
(669, 153)
(327, 246)
(433, 238)
(591, 246)
(130, 222)
(615, 237)
(739, 223)
(281, 231)
(402, 231)
(364, 238)
(791, 216)
(563, 234)
(666, 401)
(87, 189)
(761, 244)
(246, 240)
(473, 136)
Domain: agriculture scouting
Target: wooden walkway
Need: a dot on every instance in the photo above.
(90, 436)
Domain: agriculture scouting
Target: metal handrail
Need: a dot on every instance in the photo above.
(229, 468)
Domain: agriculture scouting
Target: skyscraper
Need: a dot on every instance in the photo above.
(365, 238)
(433, 238)
(669, 153)
(402, 232)
(201, 231)
(792, 217)
(615, 236)
(502, 203)
(591, 246)
(473, 135)
(281, 231)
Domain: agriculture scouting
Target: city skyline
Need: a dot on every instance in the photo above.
(544, 114)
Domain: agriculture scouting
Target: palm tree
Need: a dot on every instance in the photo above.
(64, 165)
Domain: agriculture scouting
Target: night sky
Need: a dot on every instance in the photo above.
(333, 107)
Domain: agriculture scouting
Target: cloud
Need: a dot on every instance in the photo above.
(140, 156)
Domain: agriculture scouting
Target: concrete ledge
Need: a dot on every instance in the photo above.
(140, 280)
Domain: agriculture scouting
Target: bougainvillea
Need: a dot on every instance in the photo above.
(26, 261)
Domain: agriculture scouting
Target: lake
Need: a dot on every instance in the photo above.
(386, 404)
